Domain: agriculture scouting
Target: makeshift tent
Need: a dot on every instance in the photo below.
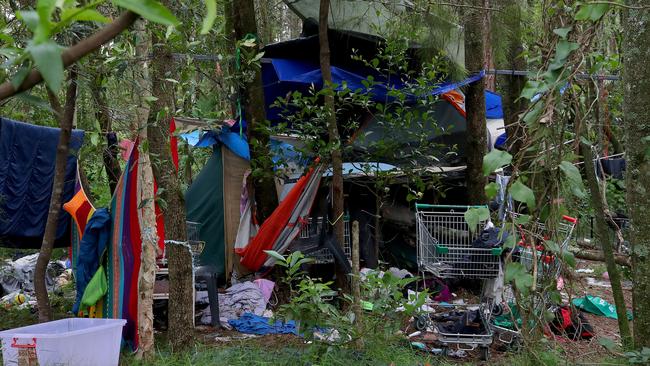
(213, 201)
(27, 164)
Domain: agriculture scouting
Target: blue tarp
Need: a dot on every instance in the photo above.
(255, 324)
(27, 161)
(283, 76)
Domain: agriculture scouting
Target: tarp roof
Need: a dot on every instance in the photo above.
(282, 76)
(373, 18)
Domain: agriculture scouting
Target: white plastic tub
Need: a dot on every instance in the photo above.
(73, 341)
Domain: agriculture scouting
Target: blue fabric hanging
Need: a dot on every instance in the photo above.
(27, 164)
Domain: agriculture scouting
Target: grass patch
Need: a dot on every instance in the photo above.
(256, 352)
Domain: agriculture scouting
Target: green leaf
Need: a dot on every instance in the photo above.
(564, 49)
(281, 260)
(20, 76)
(533, 88)
(491, 190)
(210, 16)
(475, 215)
(522, 219)
(495, 160)
(591, 12)
(552, 246)
(149, 9)
(47, 58)
(30, 18)
(78, 14)
(573, 177)
(510, 242)
(517, 273)
(608, 343)
(569, 259)
(520, 192)
(562, 32)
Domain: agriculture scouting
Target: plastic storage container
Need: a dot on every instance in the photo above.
(73, 341)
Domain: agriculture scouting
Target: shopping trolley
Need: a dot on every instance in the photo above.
(532, 253)
(308, 241)
(533, 250)
(444, 244)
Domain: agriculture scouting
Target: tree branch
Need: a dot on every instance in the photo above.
(74, 53)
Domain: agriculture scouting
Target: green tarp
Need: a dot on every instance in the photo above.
(598, 306)
(204, 204)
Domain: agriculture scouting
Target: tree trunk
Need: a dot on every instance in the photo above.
(513, 106)
(636, 81)
(355, 279)
(602, 233)
(181, 281)
(488, 49)
(266, 196)
(102, 113)
(146, 202)
(597, 255)
(475, 106)
(332, 128)
(65, 118)
(336, 158)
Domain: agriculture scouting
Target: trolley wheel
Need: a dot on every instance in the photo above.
(421, 322)
(485, 353)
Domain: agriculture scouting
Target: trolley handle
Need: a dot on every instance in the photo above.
(427, 205)
(15, 344)
(570, 219)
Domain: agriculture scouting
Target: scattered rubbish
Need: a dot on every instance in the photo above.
(419, 345)
(19, 274)
(606, 276)
(329, 336)
(235, 338)
(594, 282)
(367, 305)
(458, 302)
(573, 326)
(244, 297)
(255, 324)
(598, 306)
(415, 334)
(584, 270)
(457, 353)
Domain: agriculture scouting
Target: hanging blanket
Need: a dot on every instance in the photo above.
(27, 162)
(284, 224)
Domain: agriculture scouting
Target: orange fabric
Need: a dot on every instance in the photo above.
(253, 255)
(80, 208)
(457, 99)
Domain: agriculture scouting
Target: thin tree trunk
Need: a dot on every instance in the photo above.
(602, 233)
(475, 106)
(102, 113)
(181, 281)
(356, 286)
(146, 202)
(266, 196)
(65, 118)
(488, 50)
(336, 157)
(636, 81)
(332, 128)
(513, 106)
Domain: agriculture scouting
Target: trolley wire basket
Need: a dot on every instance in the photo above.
(308, 241)
(544, 246)
(445, 244)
